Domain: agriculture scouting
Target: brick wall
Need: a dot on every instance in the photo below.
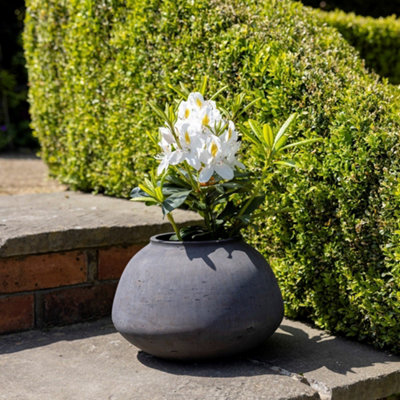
(59, 288)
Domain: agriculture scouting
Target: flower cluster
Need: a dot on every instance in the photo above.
(202, 138)
(197, 169)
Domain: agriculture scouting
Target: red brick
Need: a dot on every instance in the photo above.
(66, 306)
(16, 313)
(19, 274)
(113, 261)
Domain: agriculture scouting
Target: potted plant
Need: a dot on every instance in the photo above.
(201, 291)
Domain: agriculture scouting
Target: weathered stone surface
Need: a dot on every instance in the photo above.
(41, 223)
(339, 369)
(91, 362)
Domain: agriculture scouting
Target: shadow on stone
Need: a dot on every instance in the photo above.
(302, 351)
(292, 349)
(16, 342)
(228, 367)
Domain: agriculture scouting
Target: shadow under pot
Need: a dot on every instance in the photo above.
(196, 300)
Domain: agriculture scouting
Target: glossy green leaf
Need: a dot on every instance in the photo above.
(174, 201)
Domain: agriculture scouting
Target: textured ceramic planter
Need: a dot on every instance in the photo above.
(192, 300)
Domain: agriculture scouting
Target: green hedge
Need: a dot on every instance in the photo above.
(377, 40)
(331, 231)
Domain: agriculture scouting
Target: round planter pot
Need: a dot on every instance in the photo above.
(193, 300)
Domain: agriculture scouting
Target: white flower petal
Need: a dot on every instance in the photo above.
(163, 165)
(206, 174)
(195, 100)
(193, 161)
(224, 171)
(184, 110)
(166, 135)
(239, 164)
(176, 157)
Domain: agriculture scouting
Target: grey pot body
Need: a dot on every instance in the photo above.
(193, 300)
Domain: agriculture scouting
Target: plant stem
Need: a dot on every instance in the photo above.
(195, 185)
(176, 230)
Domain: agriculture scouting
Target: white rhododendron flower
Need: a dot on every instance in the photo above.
(198, 155)
(198, 140)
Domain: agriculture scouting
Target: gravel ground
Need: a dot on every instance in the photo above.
(25, 173)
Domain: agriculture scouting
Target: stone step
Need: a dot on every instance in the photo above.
(91, 361)
(61, 254)
(53, 222)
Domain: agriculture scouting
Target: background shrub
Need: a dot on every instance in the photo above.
(377, 40)
(14, 117)
(363, 7)
(331, 230)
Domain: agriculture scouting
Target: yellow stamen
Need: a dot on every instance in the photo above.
(229, 133)
(205, 120)
(214, 149)
(199, 103)
(187, 112)
(187, 138)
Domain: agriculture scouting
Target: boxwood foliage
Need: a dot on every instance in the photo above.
(377, 40)
(331, 228)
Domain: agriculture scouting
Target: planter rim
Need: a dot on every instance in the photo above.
(158, 239)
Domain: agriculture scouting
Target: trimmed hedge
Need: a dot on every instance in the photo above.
(331, 231)
(377, 40)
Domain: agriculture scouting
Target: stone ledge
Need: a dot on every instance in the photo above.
(91, 361)
(61, 255)
(44, 223)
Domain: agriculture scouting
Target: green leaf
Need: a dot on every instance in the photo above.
(287, 163)
(250, 137)
(177, 181)
(216, 94)
(283, 128)
(244, 109)
(254, 205)
(151, 137)
(229, 211)
(280, 143)
(203, 86)
(146, 200)
(256, 128)
(146, 189)
(174, 201)
(169, 190)
(181, 91)
(302, 142)
(158, 111)
(137, 192)
(268, 135)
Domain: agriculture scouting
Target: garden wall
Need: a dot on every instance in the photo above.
(58, 288)
(62, 254)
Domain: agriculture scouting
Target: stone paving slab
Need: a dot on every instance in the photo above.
(25, 173)
(91, 361)
(338, 368)
(47, 222)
